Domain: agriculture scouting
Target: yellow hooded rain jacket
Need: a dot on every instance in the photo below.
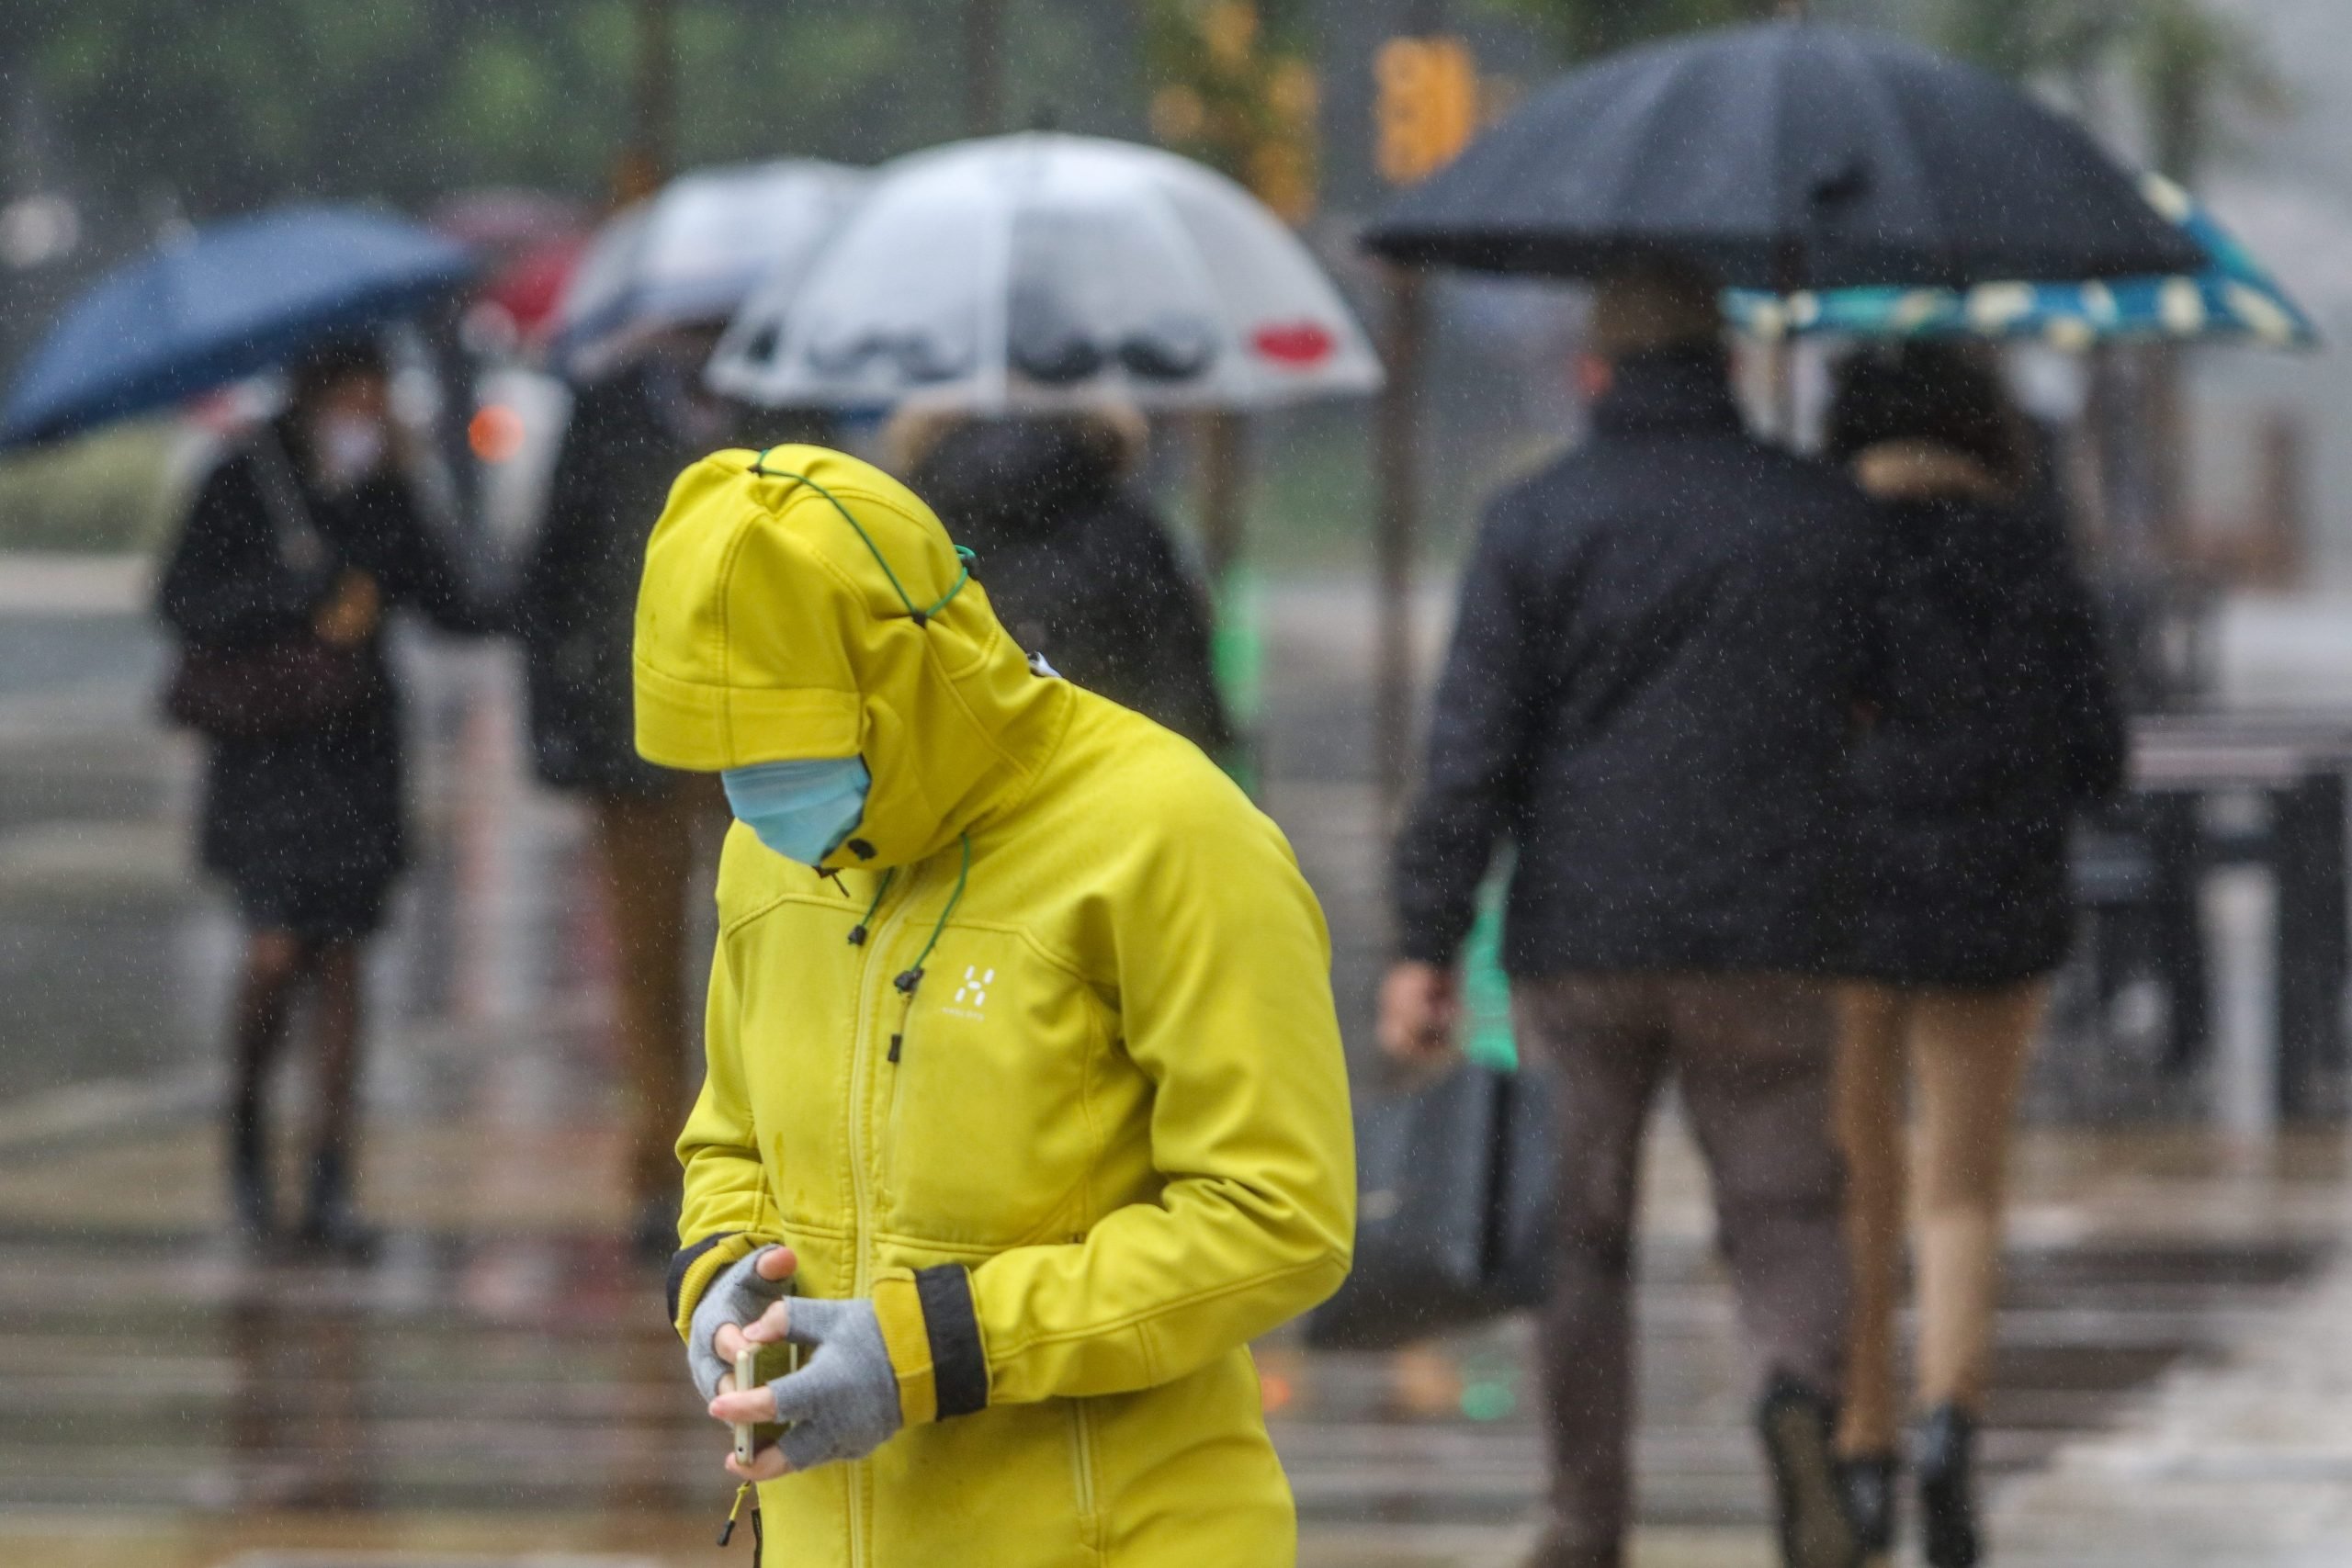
(1101, 1141)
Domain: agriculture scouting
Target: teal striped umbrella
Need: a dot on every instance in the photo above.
(2233, 299)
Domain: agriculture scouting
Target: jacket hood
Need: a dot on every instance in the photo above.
(1016, 479)
(799, 603)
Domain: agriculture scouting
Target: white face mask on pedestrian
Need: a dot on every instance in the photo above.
(348, 449)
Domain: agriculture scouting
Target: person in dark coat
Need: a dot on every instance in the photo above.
(1661, 642)
(632, 431)
(1076, 564)
(1996, 723)
(307, 529)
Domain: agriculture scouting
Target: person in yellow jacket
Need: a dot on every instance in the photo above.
(1023, 1065)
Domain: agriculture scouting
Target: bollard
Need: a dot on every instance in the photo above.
(2240, 907)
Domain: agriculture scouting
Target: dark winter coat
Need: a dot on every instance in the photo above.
(1077, 566)
(1998, 723)
(577, 605)
(323, 804)
(1661, 642)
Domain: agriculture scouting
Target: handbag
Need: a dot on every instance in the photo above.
(290, 684)
(1453, 1213)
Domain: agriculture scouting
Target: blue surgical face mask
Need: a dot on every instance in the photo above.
(801, 810)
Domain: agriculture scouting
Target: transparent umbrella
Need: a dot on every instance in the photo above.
(1044, 270)
(694, 251)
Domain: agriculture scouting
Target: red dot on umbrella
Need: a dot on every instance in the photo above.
(1293, 343)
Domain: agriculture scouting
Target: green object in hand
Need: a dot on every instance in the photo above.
(1485, 991)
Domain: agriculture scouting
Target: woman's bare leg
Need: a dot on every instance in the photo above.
(1969, 1050)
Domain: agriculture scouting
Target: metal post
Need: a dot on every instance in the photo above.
(983, 66)
(2164, 429)
(2177, 942)
(2281, 542)
(2241, 915)
(1398, 459)
(2307, 855)
(653, 116)
(1224, 519)
(1221, 518)
(1396, 466)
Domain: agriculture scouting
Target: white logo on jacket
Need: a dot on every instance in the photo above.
(972, 997)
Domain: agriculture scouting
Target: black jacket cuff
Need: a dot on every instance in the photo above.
(960, 1362)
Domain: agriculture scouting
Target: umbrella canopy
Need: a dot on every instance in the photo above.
(506, 220)
(1787, 156)
(694, 251)
(2231, 296)
(1042, 270)
(222, 302)
(529, 285)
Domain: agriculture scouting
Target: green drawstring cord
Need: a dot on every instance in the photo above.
(857, 932)
(907, 981)
(922, 617)
(913, 977)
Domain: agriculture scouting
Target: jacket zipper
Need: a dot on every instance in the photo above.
(1081, 1460)
(895, 1066)
(861, 1070)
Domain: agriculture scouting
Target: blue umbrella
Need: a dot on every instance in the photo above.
(222, 302)
(2233, 297)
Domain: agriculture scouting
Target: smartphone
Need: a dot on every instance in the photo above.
(756, 1365)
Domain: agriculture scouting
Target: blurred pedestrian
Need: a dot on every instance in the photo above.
(1025, 1110)
(1659, 647)
(1996, 724)
(298, 544)
(632, 429)
(1078, 566)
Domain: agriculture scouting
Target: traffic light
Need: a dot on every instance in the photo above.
(1238, 96)
(1428, 106)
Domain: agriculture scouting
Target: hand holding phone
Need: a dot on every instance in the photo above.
(747, 1375)
(756, 1365)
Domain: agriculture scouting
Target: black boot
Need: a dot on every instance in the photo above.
(1568, 1543)
(330, 1221)
(1943, 1452)
(251, 1217)
(1868, 1481)
(1798, 1426)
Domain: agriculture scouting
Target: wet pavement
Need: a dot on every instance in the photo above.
(497, 1385)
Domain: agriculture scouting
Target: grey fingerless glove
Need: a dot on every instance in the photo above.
(843, 1404)
(738, 1296)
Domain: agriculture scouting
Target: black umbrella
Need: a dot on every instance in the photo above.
(1787, 156)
